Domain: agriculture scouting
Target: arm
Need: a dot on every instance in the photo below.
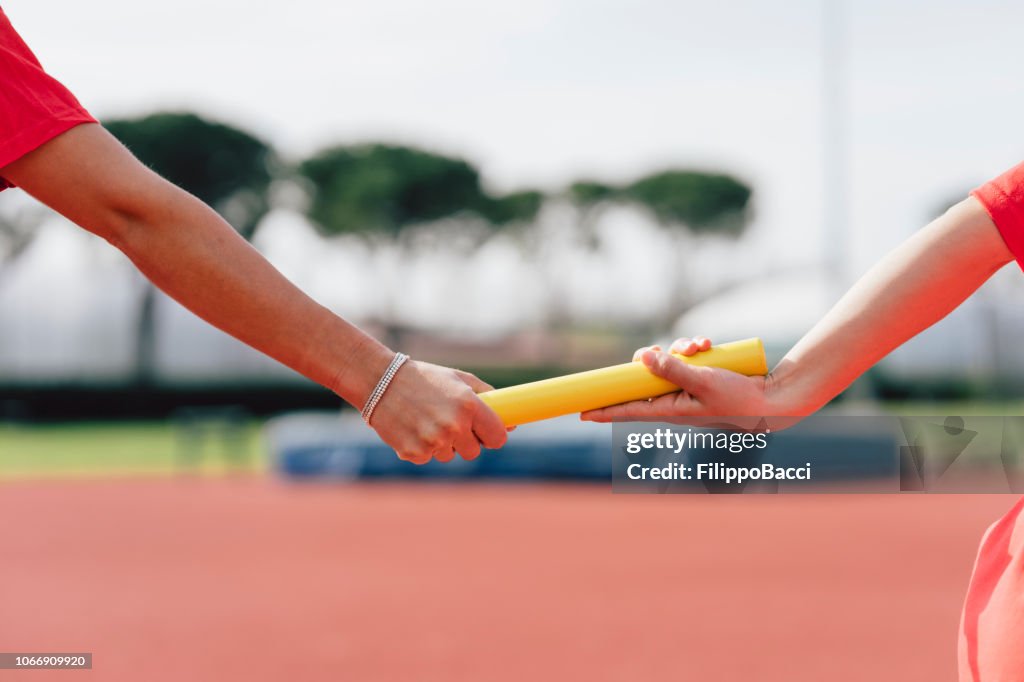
(188, 251)
(914, 286)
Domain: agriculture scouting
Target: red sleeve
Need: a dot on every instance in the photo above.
(34, 106)
(1003, 198)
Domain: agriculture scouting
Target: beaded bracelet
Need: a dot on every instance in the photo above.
(382, 385)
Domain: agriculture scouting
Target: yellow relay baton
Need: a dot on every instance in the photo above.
(613, 385)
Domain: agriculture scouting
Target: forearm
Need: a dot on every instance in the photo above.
(190, 253)
(187, 250)
(914, 286)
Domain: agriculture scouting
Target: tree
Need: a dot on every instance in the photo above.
(18, 229)
(589, 193)
(386, 194)
(688, 204)
(228, 168)
(701, 202)
(590, 197)
(516, 208)
(691, 204)
(381, 189)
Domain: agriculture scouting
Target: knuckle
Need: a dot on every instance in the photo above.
(430, 441)
(446, 432)
(466, 404)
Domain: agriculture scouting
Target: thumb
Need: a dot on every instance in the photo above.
(665, 365)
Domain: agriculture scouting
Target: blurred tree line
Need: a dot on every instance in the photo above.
(381, 192)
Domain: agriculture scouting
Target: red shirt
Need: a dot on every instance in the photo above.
(991, 641)
(34, 107)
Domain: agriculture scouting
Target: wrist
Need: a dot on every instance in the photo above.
(362, 368)
(785, 395)
(350, 362)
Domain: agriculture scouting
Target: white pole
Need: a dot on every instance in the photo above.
(834, 154)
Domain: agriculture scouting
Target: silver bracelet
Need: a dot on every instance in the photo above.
(382, 385)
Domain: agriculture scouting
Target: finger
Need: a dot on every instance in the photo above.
(685, 346)
(688, 346)
(488, 427)
(640, 408)
(691, 379)
(416, 458)
(641, 351)
(474, 382)
(673, 404)
(444, 455)
(468, 446)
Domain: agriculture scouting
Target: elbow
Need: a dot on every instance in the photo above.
(129, 220)
(119, 228)
(118, 217)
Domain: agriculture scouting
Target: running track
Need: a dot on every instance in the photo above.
(251, 579)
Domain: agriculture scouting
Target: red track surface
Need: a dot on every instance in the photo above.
(254, 580)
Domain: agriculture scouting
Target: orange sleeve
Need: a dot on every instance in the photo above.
(1003, 199)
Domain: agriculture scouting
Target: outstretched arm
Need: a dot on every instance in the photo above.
(188, 251)
(914, 286)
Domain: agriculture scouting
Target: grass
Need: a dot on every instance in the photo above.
(124, 449)
(119, 449)
(966, 408)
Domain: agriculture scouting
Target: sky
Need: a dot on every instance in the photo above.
(539, 93)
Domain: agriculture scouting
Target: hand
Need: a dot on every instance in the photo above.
(706, 391)
(433, 412)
